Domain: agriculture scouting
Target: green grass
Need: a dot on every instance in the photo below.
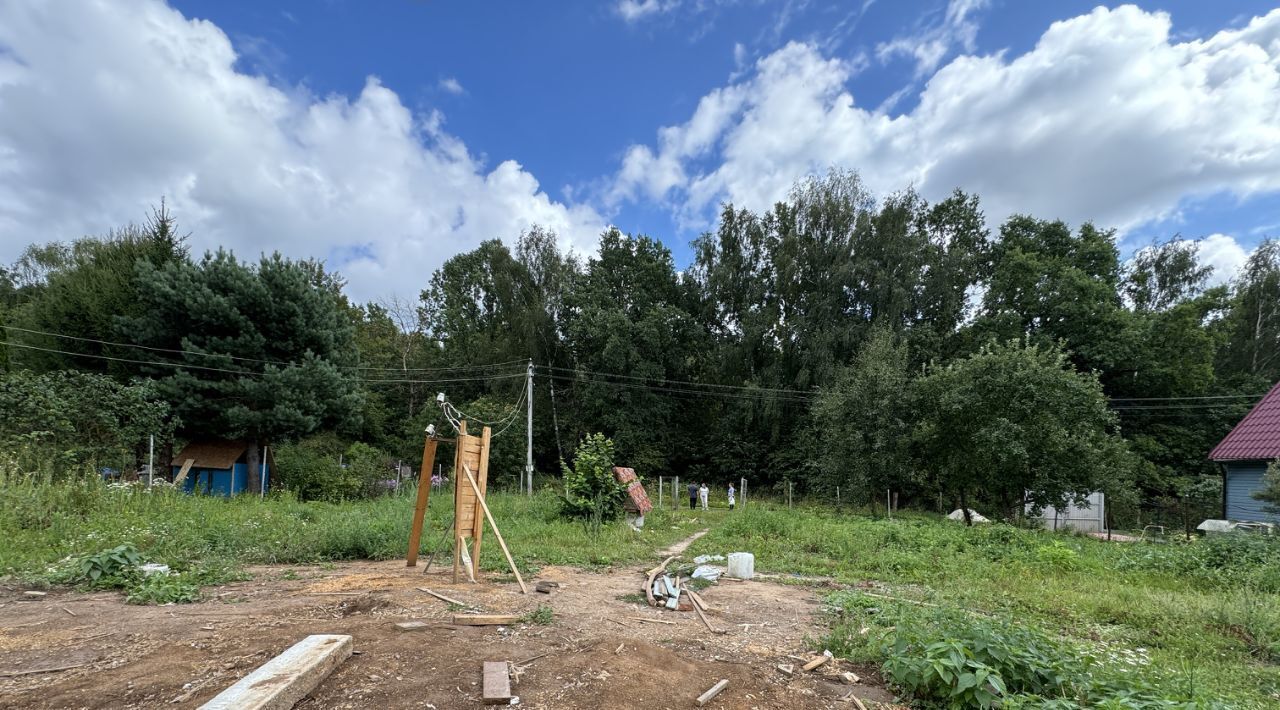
(43, 524)
(1204, 615)
(1194, 622)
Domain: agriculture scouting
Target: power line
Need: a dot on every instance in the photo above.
(660, 380)
(281, 363)
(249, 373)
(677, 391)
(1179, 399)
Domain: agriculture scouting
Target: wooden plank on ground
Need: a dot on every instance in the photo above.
(653, 574)
(288, 678)
(815, 663)
(442, 597)
(497, 683)
(712, 692)
(484, 619)
(411, 625)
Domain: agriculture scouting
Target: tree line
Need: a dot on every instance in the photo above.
(837, 340)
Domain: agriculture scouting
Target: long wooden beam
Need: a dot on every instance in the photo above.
(496, 533)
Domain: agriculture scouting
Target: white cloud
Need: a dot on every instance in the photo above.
(1105, 119)
(1224, 254)
(451, 85)
(107, 108)
(931, 44)
(633, 10)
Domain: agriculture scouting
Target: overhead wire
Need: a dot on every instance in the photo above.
(195, 353)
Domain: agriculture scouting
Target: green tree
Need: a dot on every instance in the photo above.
(865, 421)
(257, 351)
(1270, 492)
(592, 495)
(1015, 423)
(68, 419)
(87, 290)
(1253, 348)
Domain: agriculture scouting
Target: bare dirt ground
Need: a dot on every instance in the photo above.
(594, 654)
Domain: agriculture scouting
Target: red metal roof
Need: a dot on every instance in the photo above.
(1257, 436)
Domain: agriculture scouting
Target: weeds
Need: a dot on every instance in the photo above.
(543, 615)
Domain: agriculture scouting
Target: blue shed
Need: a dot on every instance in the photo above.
(219, 467)
(1244, 455)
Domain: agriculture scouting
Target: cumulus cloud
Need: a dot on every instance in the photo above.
(107, 108)
(1224, 254)
(1105, 119)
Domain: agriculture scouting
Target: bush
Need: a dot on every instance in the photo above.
(962, 661)
(310, 469)
(591, 494)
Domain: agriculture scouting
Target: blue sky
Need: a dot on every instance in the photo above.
(387, 136)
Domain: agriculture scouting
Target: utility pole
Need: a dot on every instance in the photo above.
(528, 462)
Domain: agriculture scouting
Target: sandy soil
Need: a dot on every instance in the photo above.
(594, 654)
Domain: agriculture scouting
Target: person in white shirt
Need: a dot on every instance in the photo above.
(732, 496)
(702, 495)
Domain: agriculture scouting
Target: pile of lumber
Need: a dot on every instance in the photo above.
(665, 591)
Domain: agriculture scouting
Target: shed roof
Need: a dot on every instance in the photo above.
(1257, 436)
(212, 453)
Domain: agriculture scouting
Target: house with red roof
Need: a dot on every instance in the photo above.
(1244, 455)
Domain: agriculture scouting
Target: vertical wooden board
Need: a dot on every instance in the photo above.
(420, 506)
(482, 479)
(497, 683)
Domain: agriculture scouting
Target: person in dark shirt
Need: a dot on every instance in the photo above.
(693, 496)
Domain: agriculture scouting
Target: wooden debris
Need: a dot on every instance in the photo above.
(712, 692)
(527, 661)
(497, 683)
(652, 621)
(411, 625)
(35, 595)
(697, 599)
(69, 611)
(287, 678)
(494, 526)
(618, 651)
(443, 598)
(787, 668)
(332, 594)
(653, 574)
(698, 608)
(484, 619)
(55, 669)
(815, 663)
(546, 587)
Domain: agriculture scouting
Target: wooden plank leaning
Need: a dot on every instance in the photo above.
(496, 533)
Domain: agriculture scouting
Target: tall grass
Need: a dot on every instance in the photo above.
(43, 522)
(1205, 612)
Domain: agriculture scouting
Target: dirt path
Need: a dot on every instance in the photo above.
(597, 654)
(680, 547)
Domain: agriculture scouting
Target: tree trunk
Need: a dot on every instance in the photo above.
(964, 508)
(253, 482)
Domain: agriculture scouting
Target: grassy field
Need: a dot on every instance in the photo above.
(992, 615)
(1196, 624)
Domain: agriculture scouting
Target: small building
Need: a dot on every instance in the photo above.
(219, 467)
(1244, 455)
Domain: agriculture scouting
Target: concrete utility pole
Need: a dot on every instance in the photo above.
(528, 463)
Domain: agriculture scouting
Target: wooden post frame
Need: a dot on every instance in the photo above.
(424, 496)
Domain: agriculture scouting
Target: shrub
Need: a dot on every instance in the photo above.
(591, 494)
(310, 469)
(106, 569)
